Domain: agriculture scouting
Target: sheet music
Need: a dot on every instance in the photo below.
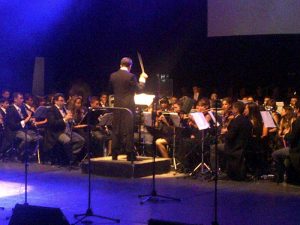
(143, 99)
(175, 119)
(41, 112)
(267, 119)
(200, 120)
(279, 106)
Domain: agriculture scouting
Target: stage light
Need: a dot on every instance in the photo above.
(12, 189)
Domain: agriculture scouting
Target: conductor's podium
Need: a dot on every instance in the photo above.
(105, 166)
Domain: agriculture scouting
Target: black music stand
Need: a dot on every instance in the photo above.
(89, 212)
(153, 196)
(202, 125)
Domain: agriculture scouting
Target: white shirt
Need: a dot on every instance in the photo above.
(141, 79)
(3, 109)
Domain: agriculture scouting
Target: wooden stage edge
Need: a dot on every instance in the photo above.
(105, 166)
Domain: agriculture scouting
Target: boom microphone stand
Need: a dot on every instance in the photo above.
(89, 212)
(153, 196)
(215, 222)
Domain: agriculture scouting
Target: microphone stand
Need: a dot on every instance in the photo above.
(153, 196)
(215, 222)
(89, 212)
(26, 163)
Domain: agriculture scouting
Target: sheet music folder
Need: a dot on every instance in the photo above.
(172, 118)
(41, 112)
(267, 119)
(93, 116)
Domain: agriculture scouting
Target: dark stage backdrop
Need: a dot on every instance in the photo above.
(83, 41)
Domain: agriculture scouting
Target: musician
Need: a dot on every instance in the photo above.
(19, 124)
(285, 125)
(104, 100)
(274, 141)
(256, 157)
(29, 103)
(164, 105)
(6, 94)
(77, 109)
(98, 133)
(293, 101)
(197, 93)
(4, 103)
(59, 130)
(227, 114)
(202, 106)
(213, 99)
(237, 135)
(124, 85)
(293, 138)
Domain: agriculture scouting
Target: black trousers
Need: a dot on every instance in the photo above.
(123, 132)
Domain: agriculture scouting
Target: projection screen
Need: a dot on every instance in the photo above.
(253, 17)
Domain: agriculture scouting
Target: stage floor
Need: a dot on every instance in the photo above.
(246, 203)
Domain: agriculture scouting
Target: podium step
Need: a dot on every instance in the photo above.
(105, 166)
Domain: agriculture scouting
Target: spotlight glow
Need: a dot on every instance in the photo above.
(12, 189)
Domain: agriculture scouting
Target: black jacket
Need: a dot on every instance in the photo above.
(124, 85)
(55, 127)
(13, 121)
(239, 134)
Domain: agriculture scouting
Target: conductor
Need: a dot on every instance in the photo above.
(124, 85)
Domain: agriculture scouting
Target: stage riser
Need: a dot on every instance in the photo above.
(104, 166)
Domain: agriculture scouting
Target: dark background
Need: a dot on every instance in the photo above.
(83, 41)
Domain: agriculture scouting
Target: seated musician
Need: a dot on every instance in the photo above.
(293, 147)
(189, 150)
(20, 125)
(227, 114)
(165, 129)
(213, 99)
(104, 100)
(5, 93)
(59, 130)
(271, 106)
(98, 133)
(285, 125)
(201, 106)
(79, 112)
(237, 135)
(29, 103)
(293, 101)
(4, 104)
(256, 156)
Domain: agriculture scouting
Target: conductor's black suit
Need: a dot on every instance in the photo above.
(124, 85)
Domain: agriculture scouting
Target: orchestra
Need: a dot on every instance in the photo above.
(246, 144)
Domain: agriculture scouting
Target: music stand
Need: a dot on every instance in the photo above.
(202, 125)
(174, 119)
(142, 101)
(89, 212)
(106, 121)
(153, 196)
